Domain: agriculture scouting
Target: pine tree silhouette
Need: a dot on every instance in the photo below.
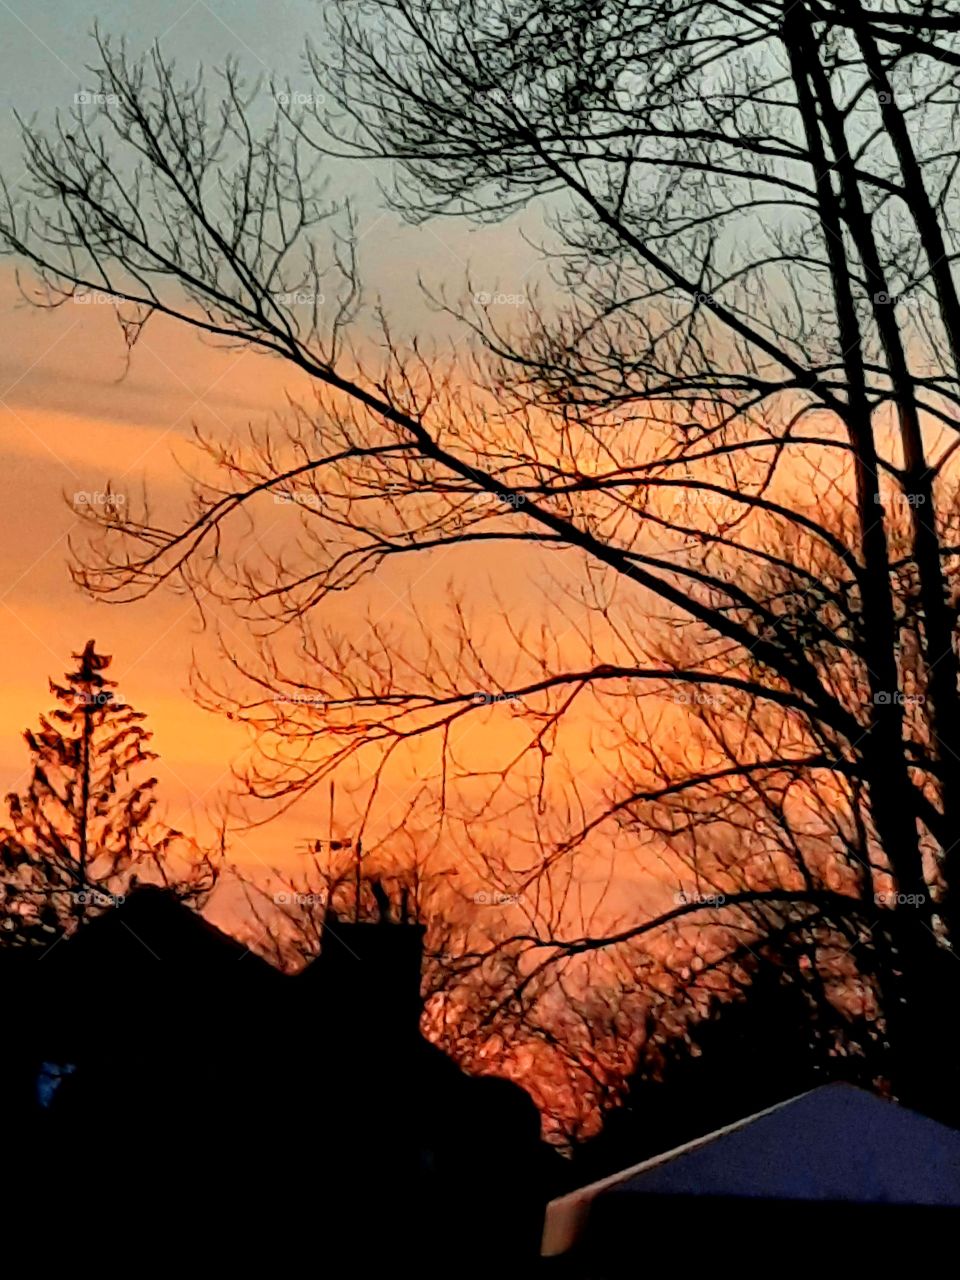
(83, 831)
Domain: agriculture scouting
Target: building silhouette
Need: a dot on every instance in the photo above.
(176, 1083)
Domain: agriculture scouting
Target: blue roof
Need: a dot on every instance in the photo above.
(836, 1143)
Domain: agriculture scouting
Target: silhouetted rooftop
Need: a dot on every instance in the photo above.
(835, 1144)
(153, 922)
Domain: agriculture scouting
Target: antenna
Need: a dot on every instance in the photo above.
(359, 850)
(315, 846)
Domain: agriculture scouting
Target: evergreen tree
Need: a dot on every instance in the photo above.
(83, 831)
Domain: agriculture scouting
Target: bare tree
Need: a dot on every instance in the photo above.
(733, 431)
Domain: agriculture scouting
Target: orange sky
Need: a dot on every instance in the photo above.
(69, 420)
(66, 426)
(68, 423)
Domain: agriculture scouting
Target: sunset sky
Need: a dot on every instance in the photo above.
(535, 433)
(73, 419)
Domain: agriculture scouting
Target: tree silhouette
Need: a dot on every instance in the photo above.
(737, 426)
(83, 830)
(759, 1036)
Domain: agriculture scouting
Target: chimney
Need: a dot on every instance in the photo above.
(371, 974)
